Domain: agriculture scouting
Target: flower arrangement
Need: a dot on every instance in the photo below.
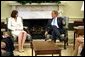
(30, 1)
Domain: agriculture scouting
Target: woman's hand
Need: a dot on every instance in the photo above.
(18, 29)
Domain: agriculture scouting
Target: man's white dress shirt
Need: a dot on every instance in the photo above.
(54, 22)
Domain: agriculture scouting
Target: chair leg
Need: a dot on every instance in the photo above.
(64, 44)
(67, 42)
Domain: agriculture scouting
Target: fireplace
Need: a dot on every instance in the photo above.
(36, 27)
(35, 16)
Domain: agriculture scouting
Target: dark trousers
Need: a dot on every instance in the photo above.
(56, 32)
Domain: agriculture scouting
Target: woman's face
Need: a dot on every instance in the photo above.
(16, 15)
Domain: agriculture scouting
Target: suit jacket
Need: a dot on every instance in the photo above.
(49, 26)
(9, 44)
(13, 25)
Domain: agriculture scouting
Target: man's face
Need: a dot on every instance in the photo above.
(53, 15)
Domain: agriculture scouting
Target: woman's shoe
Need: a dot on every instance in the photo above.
(22, 50)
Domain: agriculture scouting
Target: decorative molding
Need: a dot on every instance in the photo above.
(41, 7)
(16, 4)
(33, 11)
(72, 19)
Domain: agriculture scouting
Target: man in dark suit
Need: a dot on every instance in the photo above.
(7, 45)
(55, 25)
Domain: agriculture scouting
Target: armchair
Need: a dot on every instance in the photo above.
(65, 35)
(14, 37)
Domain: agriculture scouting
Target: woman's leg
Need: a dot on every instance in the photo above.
(19, 41)
(23, 39)
(77, 44)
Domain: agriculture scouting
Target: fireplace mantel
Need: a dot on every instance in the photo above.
(14, 4)
(36, 10)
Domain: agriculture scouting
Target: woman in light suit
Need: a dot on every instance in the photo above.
(15, 24)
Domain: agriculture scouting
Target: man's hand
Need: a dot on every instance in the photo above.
(3, 51)
(46, 33)
(3, 44)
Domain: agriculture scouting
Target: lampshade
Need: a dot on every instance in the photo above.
(82, 8)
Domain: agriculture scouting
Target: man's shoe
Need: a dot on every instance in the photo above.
(54, 40)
